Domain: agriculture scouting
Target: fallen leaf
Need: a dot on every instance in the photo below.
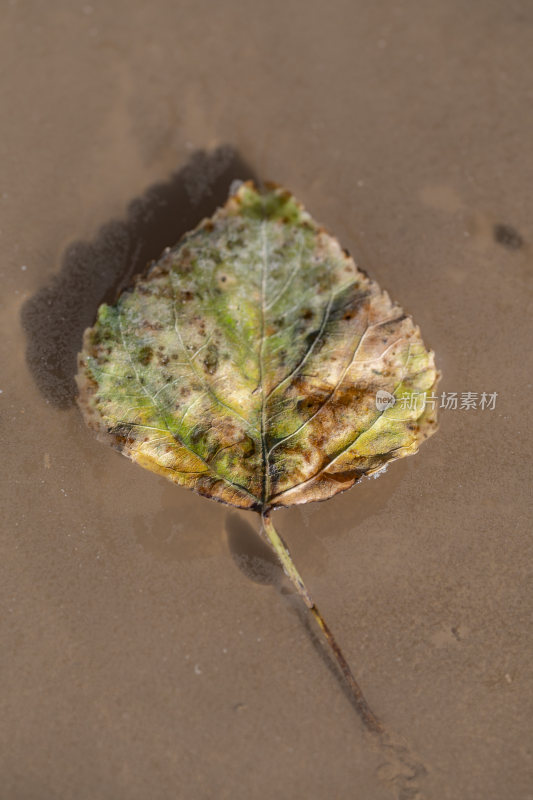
(256, 364)
(248, 363)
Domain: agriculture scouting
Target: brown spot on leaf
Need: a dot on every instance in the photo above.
(211, 359)
(346, 476)
(121, 432)
(145, 355)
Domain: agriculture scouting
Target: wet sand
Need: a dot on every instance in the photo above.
(149, 648)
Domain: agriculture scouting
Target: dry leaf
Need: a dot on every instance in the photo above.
(249, 363)
(257, 365)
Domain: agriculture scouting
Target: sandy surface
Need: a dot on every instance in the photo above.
(143, 654)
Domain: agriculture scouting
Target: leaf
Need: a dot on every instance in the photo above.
(249, 363)
(257, 365)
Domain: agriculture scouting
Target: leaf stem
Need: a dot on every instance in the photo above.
(371, 722)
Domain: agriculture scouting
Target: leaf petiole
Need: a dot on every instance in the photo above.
(371, 722)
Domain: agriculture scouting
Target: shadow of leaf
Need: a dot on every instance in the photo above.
(250, 553)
